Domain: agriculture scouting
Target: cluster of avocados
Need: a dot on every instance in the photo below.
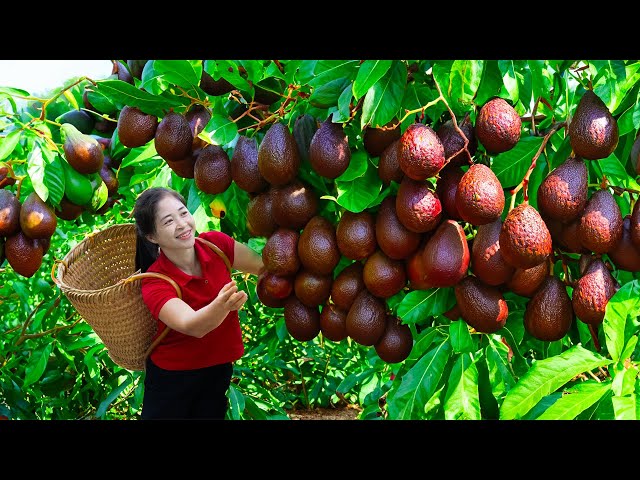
(332, 274)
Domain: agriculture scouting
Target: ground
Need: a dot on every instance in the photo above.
(342, 413)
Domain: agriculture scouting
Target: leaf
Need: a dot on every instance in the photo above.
(179, 72)
(419, 384)
(383, 100)
(545, 377)
(510, 167)
(54, 180)
(357, 194)
(8, 143)
(459, 81)
(575, 400)
(614, 170)
(624, 303)
(417, 96)
(540, 83)
(343, 114)
(624, 379)
(220, 130)
(490, 82)
(368, 74)
(36, 170)
(139, 155)
(327, 70)
(420, 304)
(625, 407)
(357, 167)
(460, 337)
(507, 69)
(500, 375)
(462, 401)
(14, 91)
(236, 402)
(115, 393)
(36, 365)
(327, 95)
(230, 72)
(610, 81)
(123, 93)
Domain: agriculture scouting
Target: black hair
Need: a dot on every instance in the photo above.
(144, 213)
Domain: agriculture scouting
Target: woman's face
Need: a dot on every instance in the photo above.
(175, 226)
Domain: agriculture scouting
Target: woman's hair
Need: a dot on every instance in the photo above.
(144, 213)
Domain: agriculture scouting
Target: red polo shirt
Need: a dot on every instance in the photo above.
(178, 351)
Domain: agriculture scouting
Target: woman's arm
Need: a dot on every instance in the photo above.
(246, 260)
(179, 316)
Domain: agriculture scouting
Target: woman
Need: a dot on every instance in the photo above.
(188, 373)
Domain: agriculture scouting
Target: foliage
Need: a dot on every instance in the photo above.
(53, 366)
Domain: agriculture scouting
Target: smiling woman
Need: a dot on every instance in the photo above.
(40, 76)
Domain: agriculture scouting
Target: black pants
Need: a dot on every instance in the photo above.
(180, 394)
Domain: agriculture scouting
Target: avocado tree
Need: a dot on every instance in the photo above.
(450, 239)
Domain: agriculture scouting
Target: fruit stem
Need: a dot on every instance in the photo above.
(46, 103)
(594, 337)
(455, 125)
(525, 181)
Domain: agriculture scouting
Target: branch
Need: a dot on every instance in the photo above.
(525, 181)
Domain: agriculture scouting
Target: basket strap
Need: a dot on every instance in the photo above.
(216, 249)
(164, 333)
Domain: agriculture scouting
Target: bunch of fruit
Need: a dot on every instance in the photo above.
(420, 236)
(26, 227)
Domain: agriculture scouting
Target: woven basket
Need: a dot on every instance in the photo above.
(98, 277)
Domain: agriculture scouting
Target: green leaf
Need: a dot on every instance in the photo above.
(357, 167)
(383, 100)
(419, 384)
(8, 143)
(368, 74)
(123, 93)
(624, 303)
(327, 95)
(462, 401)
(625, 407)
(343, 114)
(14, 91)
(630, 347)
(417, 96)
(37, 365)
(139, 155)
(490, 83)
(459, 81)
(54, 179)
(115, 393)
(541, 84)
(545, 377)
(36, 170)
(614, 170)
(327, 70)
(220, 130)
(611, 81)
(230, 72)
(510, 167)
(624, 380)
(183, 73)
(236, 402)
(461, 340)
(418, 305)
(507, 69)
(575, 400)
(500, 375)
(253, 69)
(357, 194)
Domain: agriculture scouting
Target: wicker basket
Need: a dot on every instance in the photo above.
(98, 277)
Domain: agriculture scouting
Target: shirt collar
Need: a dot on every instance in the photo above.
(177, 275)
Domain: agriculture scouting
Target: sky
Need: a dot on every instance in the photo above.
(40, 76)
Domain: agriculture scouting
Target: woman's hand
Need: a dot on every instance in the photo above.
(230, 298)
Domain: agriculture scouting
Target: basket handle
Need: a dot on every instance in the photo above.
(57, 263)
(136, 276)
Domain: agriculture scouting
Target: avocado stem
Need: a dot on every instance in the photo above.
(525, 181)
(594, 337)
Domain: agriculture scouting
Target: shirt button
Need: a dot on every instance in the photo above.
(206, 281)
